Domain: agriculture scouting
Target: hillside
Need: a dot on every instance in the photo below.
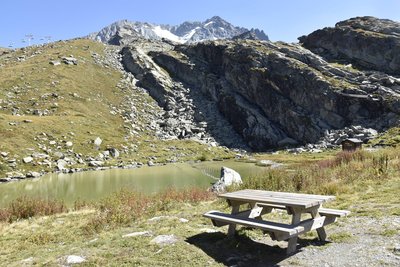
(52, 112)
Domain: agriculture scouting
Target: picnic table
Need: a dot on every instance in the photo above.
(260, 202)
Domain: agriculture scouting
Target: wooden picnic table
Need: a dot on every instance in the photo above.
(261, 202)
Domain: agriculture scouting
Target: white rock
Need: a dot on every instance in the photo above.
(61, 164)
(97, 141)
(68, 144)
(52, 142)
(163, 240)
(183, 220)
(73, 259)
(230, 177)
(144, 233)
(4, 154)
(27, 159)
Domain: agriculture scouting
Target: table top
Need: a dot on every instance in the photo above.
(278, 198)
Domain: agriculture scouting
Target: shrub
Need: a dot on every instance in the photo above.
(27, 207)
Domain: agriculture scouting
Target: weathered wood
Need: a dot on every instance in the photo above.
(277, 198)
(283, 231)
(320, 231)
(250, 213)
(232, 226)
(292, 244)
(333, 212)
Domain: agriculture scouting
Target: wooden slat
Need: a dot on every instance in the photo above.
(333, 212)
(284, 194)
(278, 198)
(284, 231)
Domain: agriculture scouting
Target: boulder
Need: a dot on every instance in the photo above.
(61, 164)
(228, 177)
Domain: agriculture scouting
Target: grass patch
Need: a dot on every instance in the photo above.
(342, 237)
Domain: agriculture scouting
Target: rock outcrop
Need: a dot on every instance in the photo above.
(367, 42)
(271, 94)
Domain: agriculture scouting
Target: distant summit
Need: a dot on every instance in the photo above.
(214, 28)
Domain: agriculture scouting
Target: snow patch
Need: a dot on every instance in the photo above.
(167, 34)
(208, 23)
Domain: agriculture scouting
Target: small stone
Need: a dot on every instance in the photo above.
(150, 163)
(97, 142)
(27, 121)
(73, 259)
(61, 164)
(27, 159)
(55, 63)
(114, 152)
(68, 144)
(96, 163)
(163, 240)
(144, 233)
(33, 174)
(183, 220)
(4, 154)
(52, 142)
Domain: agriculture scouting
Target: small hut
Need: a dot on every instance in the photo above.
(351, 144)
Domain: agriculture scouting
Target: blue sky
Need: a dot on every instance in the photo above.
(283, 20)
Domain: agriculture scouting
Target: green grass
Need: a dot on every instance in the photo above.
(80, 100)
(95, 231)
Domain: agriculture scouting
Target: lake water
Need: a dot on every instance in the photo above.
(93, 185)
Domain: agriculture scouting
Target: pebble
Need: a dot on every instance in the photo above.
(73, 259)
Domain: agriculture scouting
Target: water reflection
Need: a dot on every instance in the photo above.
(93, 185)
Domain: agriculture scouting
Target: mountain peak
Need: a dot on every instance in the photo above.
(188, 32)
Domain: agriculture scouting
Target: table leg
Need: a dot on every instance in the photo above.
(292, 243)
(232, 226)
(321, 231)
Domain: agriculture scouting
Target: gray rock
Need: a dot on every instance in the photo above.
(97, 142)
(135, 234)
(4, 154)
(70, 60)
(74, 259)
(164, 240)
(61, 164)
(114, 152)
(228, 177)
(150, 163)
(27, 159)
(69, 144)
(55, 62)
(96, 163)
(33, 174)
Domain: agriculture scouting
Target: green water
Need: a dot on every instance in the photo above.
(94, 185)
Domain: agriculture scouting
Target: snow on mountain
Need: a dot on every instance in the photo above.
(187, 32)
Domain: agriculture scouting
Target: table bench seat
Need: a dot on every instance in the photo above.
(281, 231)
(333, 212)
(321, 211)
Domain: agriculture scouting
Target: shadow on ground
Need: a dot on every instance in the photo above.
(243, 251)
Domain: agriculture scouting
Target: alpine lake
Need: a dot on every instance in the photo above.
(94, 185)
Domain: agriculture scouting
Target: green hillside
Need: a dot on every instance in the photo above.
(41, 103)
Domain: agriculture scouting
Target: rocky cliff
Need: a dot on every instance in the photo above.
(367, 42)
(271, 94)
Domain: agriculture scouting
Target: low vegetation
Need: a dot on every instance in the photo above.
(367, 183)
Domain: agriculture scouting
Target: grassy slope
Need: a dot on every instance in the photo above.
(86, 94)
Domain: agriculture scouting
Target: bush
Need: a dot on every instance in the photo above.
(27, 207)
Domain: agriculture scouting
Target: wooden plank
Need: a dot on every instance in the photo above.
(291, 199)
(250, 213)
(284, 231)
(274, 200)
(333, 212)
(281, 194)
